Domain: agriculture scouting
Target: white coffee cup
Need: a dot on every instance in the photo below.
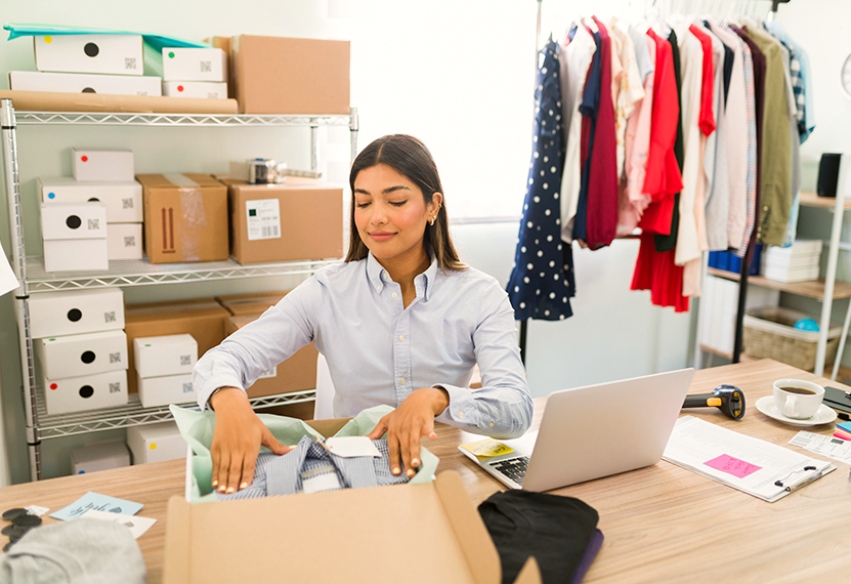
(796, 398)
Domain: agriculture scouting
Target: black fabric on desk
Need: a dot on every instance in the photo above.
(555, 530)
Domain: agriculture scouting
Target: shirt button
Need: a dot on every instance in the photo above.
(459, 414)
(765, 208)
(402, 380)
(402, 338)
(394, 295)
(490, 425)
(380, 287)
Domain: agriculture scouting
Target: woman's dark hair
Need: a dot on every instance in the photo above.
(410, 157)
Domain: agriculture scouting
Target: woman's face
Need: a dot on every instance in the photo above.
(391, 214)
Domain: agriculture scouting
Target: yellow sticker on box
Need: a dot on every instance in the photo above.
(487, 448)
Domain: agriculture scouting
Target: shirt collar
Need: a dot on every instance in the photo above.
(378, 276)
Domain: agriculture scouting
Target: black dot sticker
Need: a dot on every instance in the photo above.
(93, 200)
(91, 49)
(88, 90)
(87, 391)
(73, 221)
(88, 357)
(75, 314)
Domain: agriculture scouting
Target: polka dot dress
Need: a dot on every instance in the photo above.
(542, 281)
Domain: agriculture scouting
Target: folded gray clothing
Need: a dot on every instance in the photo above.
(83, 551)
(310, 461)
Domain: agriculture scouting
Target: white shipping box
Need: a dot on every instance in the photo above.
(85, 83)
(73, 221)
(76, 355)
(124, 241)
(99, 457)
(89, 392)
(166, 390)
(68, 312)
(194, 64)
(123, 200)
(789, 274)
(155, 442)
(164, 355)
(89, 53)
(195, 89)
(76, 255)
(102, 165)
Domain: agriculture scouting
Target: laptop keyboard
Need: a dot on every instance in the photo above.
(513, 468)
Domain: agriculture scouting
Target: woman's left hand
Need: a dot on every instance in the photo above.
(413, 419)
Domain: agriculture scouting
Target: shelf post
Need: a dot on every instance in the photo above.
(353, 132)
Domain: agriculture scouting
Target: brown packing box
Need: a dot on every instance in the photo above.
(297, 373)
(417, 533)
(186, 218)
(308, 221)
(281, 75)
(97, 102)
(250, 302)
(204, 319)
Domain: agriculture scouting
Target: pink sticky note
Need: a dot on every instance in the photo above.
(738, 468)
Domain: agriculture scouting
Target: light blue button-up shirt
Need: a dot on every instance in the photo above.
(378, 351)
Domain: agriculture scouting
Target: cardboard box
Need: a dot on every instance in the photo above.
(250, 303)
(221, 540)
(97, 457)
(73, 221)
(68, 312)
(194, 64)
(76, 255)
(300, 219)
(196, 89)
(297, 373)
(279, 75)
(186, 218)
(123, 200)
(166, 390)
(89, 392)
(155, 442)
(164, 355)
(89, 53)
(77, 355)
(43, 101)
(84, 83)
(102, 165)
(124, 241)
(204, 319)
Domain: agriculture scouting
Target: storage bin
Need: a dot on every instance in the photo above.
(769, 332)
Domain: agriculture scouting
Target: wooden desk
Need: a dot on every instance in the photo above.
(662, 523)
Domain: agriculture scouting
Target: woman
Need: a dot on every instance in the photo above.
(402, 322)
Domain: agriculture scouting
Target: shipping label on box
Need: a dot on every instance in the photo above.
(124, 241)
(99, 457)
(164, 355)
(76, 311)
(196, 89)
(123, 200)
(89, 53)
(76, 255)
(194, 64)
(166, 390)
(155, 442)
(186, 218)
(73, 221)
(84, 83)
(102, 165)
(263, 219)
(76, 355)
(89, 392)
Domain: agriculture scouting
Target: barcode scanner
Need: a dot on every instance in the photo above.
(727, 398)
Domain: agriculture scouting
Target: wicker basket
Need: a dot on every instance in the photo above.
(769, 332)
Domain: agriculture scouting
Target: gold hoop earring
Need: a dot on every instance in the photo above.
(433, 219)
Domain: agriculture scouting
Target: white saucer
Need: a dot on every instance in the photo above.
(767, 406)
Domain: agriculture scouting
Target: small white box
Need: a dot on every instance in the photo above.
(73, 221)
(102, 165)
(155, 442)
(194, 64)
(69, 312)
(166, 390)
(794, 262)
(123, 200)
(196, 89)
(99, 457)
(89, 392)
(164, 355)
(789, 274)
(85, 83)
(76, 355)
(124, 241)
(76, 255)
(89, 53)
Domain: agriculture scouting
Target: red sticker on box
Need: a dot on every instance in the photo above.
(731, 465)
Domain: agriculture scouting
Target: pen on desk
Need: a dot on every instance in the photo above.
(804, 481)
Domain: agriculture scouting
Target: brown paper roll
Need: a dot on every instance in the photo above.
(96, 102)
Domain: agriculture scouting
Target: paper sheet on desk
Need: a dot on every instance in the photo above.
(828, 446)
(745, 463)
(8, 281)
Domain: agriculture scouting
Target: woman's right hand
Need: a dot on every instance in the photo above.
(237, 438)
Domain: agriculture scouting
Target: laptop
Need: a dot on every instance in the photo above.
(588, 433)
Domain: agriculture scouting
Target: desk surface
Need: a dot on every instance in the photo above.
(660, 523)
